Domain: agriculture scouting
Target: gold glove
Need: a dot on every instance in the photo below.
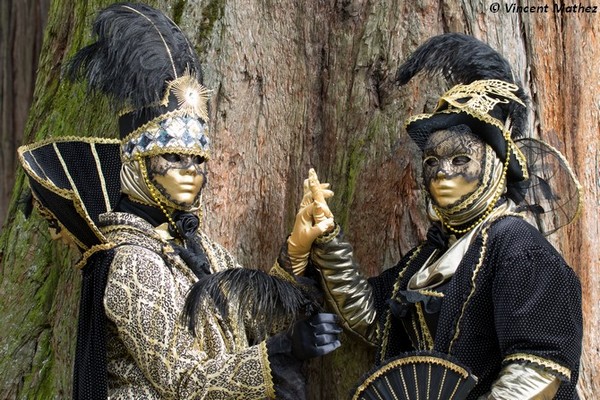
(313, 219)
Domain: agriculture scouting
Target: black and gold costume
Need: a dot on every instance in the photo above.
(149, 354)
(486, 289)
(165, 312)
(513, 299)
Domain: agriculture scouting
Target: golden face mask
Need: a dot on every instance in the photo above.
(453, 166)
(179, 178)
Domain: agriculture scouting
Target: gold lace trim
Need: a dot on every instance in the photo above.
(384, 336)
(425, 333)
(279, 272)
(484, 235)
(89, 252)
(431, 293)
(542, 362)
(267, 373)
(407, 361)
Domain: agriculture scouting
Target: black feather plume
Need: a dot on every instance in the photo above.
(462, 59)
(138, 49)
(264, 302)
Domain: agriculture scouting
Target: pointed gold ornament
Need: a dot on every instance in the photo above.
(192, 97)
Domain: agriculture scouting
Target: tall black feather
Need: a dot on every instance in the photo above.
(264, 302)
(462, 59)
(137, 51)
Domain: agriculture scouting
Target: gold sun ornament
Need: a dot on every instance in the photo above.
(192, 97)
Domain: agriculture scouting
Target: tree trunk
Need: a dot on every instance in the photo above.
(299, 85)
(21, 31)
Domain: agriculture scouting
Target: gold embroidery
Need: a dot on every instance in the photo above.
(267, 373)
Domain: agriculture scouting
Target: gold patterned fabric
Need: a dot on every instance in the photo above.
(151, 355)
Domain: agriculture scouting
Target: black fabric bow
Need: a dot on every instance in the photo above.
(437, 237)
(186, 225)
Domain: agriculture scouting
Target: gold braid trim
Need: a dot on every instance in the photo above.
(431, 293)
(482, 254)
(89, 252)
(267, 373)
(49, 215)
(427, 338)
(85, 139)
(384, 336)
(328, 236)
(448, 365)
(279, 272)
(542, 362)
(156, 151)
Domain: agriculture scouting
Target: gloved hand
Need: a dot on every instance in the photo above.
(313, 219)
(315, 336)
(319, 192)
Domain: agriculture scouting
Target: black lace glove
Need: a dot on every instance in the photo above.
(315, 336)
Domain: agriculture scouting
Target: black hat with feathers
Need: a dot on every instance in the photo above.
(142, 60)
(484, 96)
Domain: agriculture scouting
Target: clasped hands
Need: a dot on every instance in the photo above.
(312, 220)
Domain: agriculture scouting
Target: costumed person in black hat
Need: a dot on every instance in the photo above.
(485, 294)
(166, 312)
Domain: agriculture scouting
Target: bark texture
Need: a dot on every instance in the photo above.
(21, 30)
(299, 85)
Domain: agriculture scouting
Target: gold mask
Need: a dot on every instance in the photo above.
(179, 178)
(453, 166)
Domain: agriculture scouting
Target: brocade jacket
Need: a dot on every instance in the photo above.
(151, 354)
(512, 299)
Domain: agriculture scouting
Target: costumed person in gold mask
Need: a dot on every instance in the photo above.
(166, 313)
(485, 299)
